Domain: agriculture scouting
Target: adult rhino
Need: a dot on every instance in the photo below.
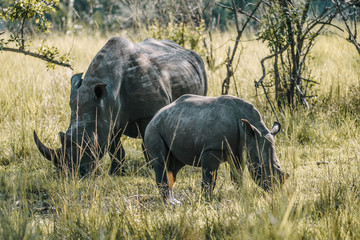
(124, 86)
(205, 131)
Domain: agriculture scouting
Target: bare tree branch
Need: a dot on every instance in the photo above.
(352, 36)
(268, 99)
(229, 60)
(258, 83)
(240, 11)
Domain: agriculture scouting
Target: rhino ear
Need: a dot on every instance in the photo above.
(250, 128)
(76, 80)
(275, 129)
(100, 91)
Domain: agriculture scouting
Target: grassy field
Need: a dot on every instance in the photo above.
(319, 201)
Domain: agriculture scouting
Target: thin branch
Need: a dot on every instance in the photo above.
(258, 83)
(352, 37)
(229, 61)
(268, 99)
(327, 13)
(332, 25)
(302, 97)
(36, 55)
(309, 80)
(22, 47)
(240, 11)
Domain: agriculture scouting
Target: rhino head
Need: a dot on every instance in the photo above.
(263, 163)
(87, 137)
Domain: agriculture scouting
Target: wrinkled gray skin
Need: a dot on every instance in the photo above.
(124, 86)
(204, 132)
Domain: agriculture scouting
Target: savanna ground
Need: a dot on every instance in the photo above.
(319, 201)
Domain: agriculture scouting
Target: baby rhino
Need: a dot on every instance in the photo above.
(206, 131)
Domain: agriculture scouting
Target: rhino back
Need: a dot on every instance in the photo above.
(183, 67)
(146, 76)
(194, 124)
(108, 62)
(161, 71)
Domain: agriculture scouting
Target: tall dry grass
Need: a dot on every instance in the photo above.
(319, 201)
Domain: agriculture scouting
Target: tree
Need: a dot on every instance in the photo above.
(21, 16)
(349, 12)
(240, 30)
(69, 18)
(290, 28)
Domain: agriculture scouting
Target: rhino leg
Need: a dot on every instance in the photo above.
(210, 161)
(156, 153)
(165, 180)
(117, 155)
(166, 176)
(173, 168)
(165, 165)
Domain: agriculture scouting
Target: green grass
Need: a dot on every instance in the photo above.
(317, 202)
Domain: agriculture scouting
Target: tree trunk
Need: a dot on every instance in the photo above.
(293, 55)
(69, 20)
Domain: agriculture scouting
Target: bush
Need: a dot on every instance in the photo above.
(184, 34)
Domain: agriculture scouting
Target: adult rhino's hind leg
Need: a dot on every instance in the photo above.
(117, 155)
(210, 161)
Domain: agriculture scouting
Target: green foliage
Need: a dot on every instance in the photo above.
(26, 10)
(22, 14)
(186, 35)
(53, 54)
(273, 30)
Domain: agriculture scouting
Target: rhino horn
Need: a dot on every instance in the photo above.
(48, 153)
